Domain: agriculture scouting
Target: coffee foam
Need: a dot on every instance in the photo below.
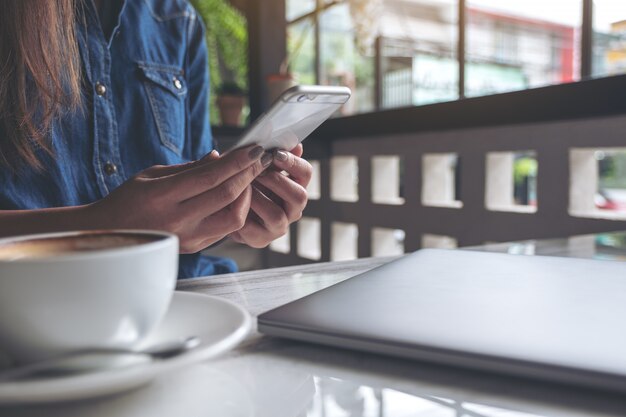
(80, 243)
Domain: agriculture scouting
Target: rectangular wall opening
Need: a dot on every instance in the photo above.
(387, 179)
(387, 242)
(344, 178)
(344, 241)
(438, 241)
(314, 189)
(440, 180)
(309, 238)
(512, 181)
(598, 183)
(282, 244)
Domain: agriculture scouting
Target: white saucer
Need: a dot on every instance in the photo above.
(219, 323)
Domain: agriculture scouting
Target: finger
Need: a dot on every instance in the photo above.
(226, 221)
(160, 171)
(211, 156)
(254, 235)
(270, 215)
(215, 199)
(299, 169)
(298, 150)
(268, 193)
(293, 195)
(197, 180)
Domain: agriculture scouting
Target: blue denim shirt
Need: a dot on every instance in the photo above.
(145, 102)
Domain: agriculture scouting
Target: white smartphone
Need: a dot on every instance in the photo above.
(294, 115)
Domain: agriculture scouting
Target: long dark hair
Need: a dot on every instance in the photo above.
(39, 76)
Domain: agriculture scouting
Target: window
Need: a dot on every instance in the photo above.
(322, 50)
(227, 41)
(342, 62)
(301, 50)
(297, 8)
(412, 41)
(418, 50)
(398, 53)
(516, 45)
(609, 37)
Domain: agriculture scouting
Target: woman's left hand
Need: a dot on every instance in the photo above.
(278, 198)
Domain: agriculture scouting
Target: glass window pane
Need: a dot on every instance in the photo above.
(418, 52)
(301, 51)
(609, 37)
(343, 62)
(297, 8)
(521, 44)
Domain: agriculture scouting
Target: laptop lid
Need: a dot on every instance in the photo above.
(559, 319)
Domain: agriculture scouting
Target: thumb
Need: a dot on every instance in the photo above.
(211, 156)
(159, 171)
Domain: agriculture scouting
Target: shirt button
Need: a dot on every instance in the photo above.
(110, 168)
(101, 90)
(177, 83)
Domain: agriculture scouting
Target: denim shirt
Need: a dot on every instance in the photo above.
(145, 102)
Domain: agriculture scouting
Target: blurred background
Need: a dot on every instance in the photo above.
(396, 54)
(409, 52)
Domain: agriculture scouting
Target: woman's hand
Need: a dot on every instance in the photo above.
(278, 199)
(201, 201)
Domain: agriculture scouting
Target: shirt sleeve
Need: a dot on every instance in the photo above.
(199, 138)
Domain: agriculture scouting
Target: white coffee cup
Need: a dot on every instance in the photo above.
(66, 291)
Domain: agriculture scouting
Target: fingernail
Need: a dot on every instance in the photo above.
(211, 155)
(267, 159)
(280, 155)
(255, 152)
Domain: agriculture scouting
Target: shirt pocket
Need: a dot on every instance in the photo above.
(167, 89)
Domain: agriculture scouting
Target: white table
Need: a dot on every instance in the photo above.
(272, 377)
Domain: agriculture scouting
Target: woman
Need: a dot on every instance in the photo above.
(102, 107)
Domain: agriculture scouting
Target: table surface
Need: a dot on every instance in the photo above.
(267, 376)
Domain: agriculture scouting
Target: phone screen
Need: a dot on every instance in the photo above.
(292, 118)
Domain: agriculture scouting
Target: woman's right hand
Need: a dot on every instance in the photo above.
(201, 201)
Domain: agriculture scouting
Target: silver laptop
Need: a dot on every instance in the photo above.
(559, 319)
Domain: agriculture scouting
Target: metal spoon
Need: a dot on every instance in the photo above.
(82, 361)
